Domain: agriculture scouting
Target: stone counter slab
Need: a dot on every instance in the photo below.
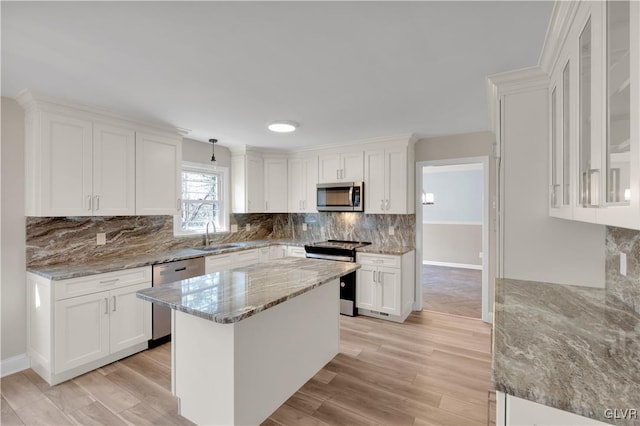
(568, 347)
(232, 295)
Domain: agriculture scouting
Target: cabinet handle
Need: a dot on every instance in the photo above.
(110, 281)
(386, 204)
(304, 204)
(89, 202)
(106, 306)
(337, 173)
(381, 204)
(114, 303)
(266, 203)
(179, 204)
(97, 203)
(341, 173)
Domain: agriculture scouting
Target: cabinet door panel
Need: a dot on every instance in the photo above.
(81, 330)
(329, 168)
(130, 318)
(352, 166)
(374, 187)
(365, 288)
(66, 166)
(310, 172)
(113, 171)
(296, 182)
(158, 175)
(390, 288)
(255, 184)
(275, 185)
(396, 181)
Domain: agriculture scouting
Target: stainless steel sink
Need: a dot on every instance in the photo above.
(218, 247)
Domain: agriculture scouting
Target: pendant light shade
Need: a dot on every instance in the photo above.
(213, 149)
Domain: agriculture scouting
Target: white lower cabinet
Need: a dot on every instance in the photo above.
(277, 252)
(385, 285)
(80, 324)
(512, 410)
(296, 251)
(220, 262)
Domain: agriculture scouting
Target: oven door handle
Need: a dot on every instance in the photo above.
(330, 257)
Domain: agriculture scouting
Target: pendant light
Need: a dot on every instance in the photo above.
(213, 149)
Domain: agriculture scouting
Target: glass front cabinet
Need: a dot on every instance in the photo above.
(594, 116)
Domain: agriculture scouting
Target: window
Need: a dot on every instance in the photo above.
(204, 199)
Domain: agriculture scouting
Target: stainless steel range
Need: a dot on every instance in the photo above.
(342, 251)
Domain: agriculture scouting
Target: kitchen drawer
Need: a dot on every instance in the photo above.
(218, 262)
(296, 251)
(378, 260)
(73, 287)
(246, 258)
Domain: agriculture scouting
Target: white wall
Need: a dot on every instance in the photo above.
(200, 152)
(13, 279)
(537, 247)
(456, 244)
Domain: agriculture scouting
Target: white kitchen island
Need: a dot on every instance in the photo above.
(246, 339)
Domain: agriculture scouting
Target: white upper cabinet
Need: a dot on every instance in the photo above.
(344, 167)
(158, 174)
(247, 181)
(114, 170)
(85, 162)
(275, 185)
(303, 178)
(59, 157)
(386, 180)
(595, 90)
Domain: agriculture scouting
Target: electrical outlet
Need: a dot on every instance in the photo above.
(234, 228)
(304, 226)
(247, 227)
(101, 238)
(392, 230)
(623, 264)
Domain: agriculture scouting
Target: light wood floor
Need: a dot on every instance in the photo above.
(455, 291)
(432, 370)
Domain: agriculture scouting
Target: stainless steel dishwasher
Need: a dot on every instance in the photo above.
(165, 273)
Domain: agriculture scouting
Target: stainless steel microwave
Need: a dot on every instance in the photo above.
(340, 197)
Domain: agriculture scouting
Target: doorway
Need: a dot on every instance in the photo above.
(452, 237)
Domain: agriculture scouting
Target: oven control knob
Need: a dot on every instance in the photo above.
(342, 284)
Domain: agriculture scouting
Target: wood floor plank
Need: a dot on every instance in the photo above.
(452, 290)
(333, 414)
(19, 391)
(142, 415)
(108, 393)
(43, 412)
(287, 415)
(68, 396)
(36, 379)
(144, 390)
(96, 414)
(477, 412)
(304, 402)
(8, 417)
(150, 369)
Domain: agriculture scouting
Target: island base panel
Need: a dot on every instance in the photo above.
(240, 373)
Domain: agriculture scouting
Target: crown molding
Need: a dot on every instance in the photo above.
(30, 100)
(562, 17)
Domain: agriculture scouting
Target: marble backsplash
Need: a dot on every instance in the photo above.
(54, 240)
(351, 227)
(626, 288)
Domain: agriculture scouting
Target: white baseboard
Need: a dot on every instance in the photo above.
(452, 265)
(14, 364)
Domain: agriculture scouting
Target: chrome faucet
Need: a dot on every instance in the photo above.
(207, 240)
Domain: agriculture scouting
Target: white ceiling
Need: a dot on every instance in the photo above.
(344, 70)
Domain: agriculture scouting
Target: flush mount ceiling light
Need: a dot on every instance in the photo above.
(283, 126)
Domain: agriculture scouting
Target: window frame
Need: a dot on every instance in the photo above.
(223, 199)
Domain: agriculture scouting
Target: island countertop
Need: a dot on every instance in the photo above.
(568, 347)
(232, 295)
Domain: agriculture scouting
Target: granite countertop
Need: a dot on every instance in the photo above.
(65, 271)
(232, 295)
(385, 249)
(568, 347)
